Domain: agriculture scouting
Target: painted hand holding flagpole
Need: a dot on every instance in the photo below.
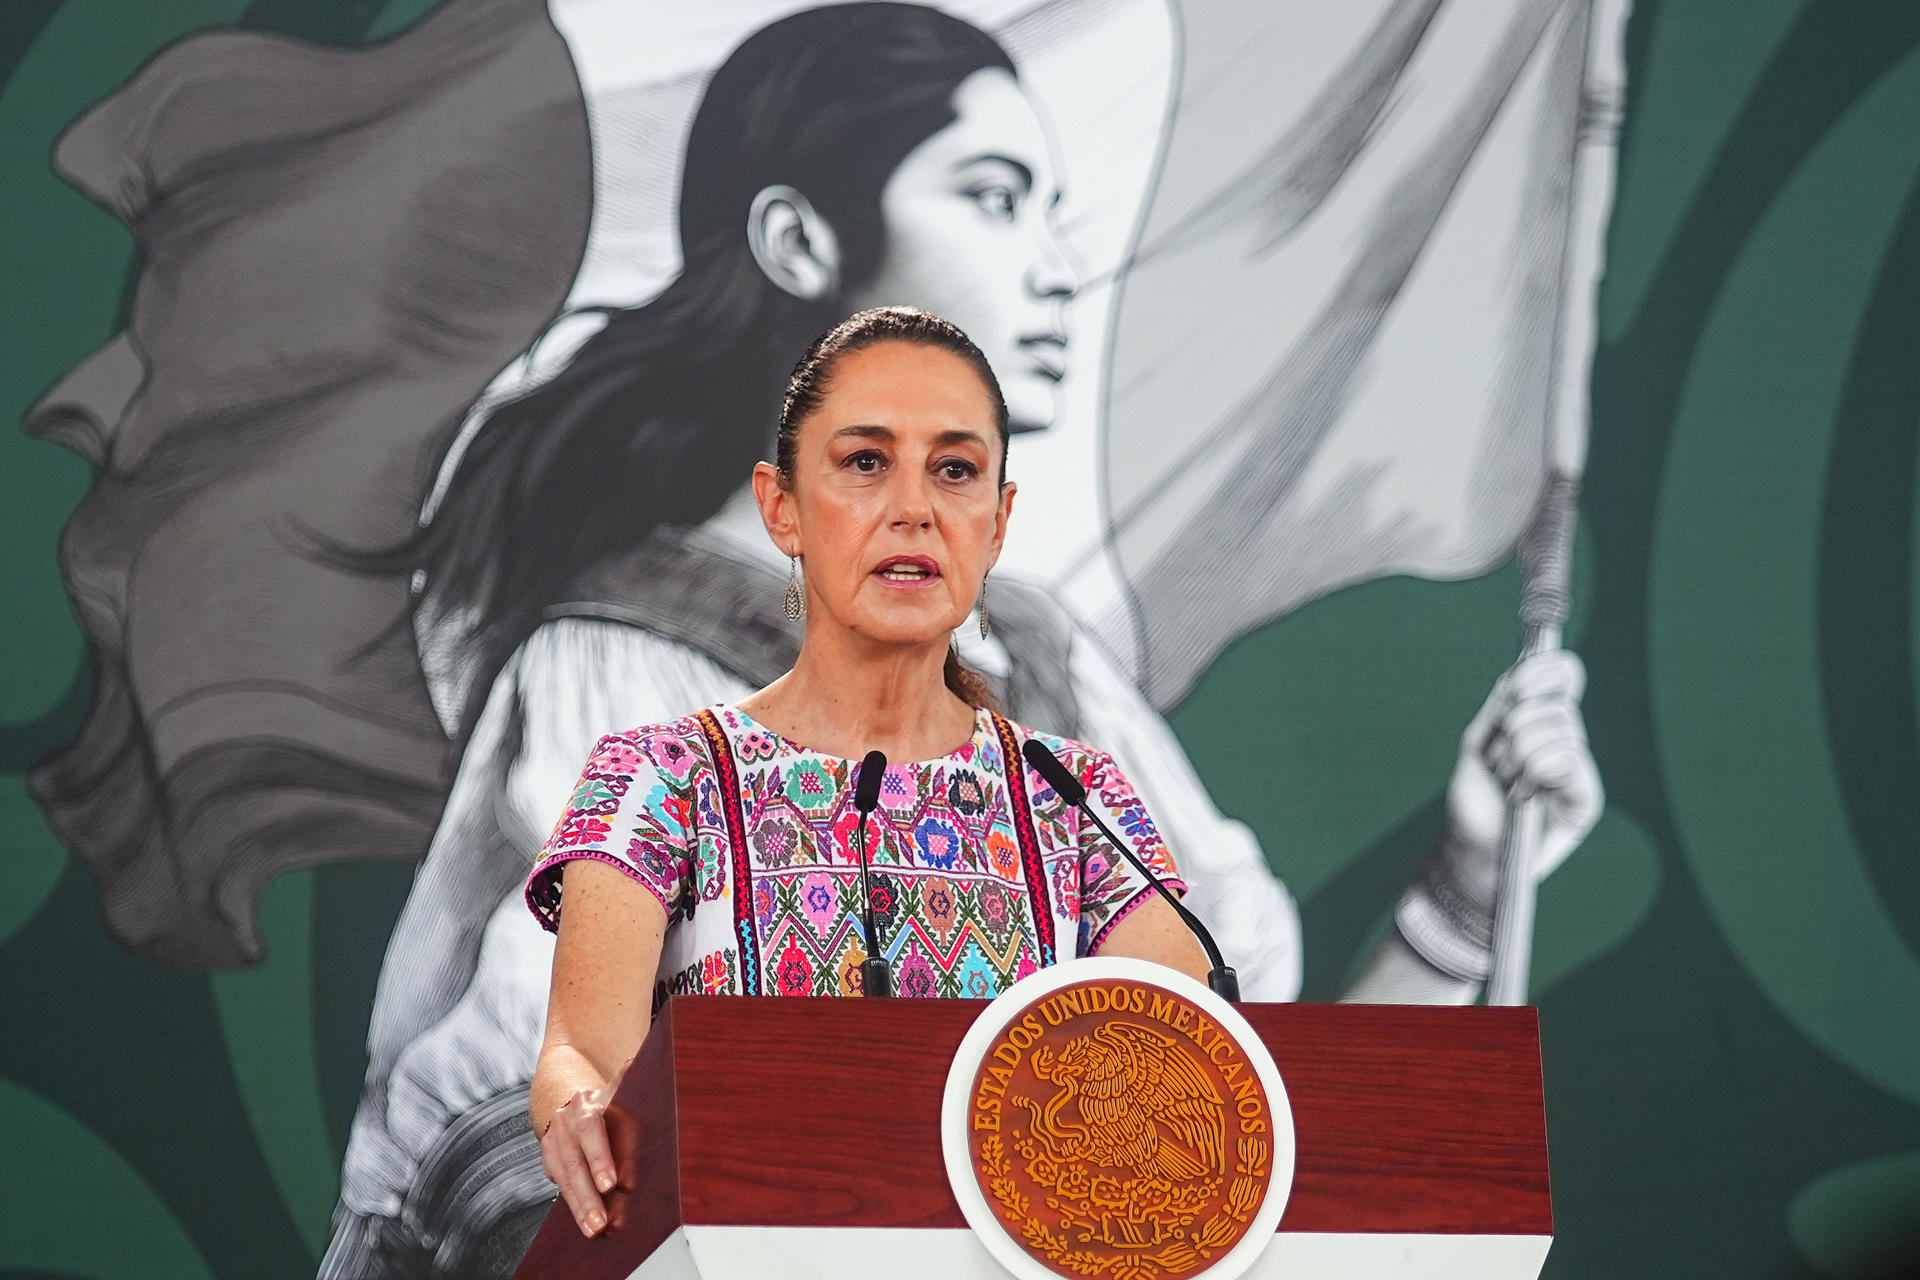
(1524, 793)
(1546, 557)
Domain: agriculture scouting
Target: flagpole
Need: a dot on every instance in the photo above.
(1546, 555)
(1545, 551)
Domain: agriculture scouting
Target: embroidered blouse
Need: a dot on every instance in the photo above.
(981, 873)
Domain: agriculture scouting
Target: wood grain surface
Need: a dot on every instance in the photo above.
(826, 1113)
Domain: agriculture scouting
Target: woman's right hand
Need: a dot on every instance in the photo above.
(576, 1153)
(603, 966)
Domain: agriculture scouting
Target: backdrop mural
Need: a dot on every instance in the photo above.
(387, 372)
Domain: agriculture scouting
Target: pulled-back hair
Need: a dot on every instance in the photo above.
(812, 378)
(662, 413)
(808, 383)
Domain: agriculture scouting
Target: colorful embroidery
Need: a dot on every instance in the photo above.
(1031, 864)
(976, 871)
(720, 755)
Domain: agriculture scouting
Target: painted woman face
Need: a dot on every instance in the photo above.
(970, 236)
(894, 503)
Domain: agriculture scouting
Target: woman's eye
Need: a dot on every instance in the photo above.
(954, 469)
(866, 462)
(997, 201)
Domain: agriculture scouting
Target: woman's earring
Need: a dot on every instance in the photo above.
(983, 608)
(795, 605)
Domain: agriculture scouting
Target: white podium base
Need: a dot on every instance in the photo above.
(875, 1253)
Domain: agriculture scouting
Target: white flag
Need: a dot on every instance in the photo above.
(1354, 335)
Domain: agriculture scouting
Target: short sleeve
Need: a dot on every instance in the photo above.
(1112, 888)
(631, 809)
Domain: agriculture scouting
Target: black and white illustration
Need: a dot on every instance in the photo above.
(1284, 297)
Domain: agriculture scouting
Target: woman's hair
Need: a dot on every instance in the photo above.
(662, 413)
(812, 379)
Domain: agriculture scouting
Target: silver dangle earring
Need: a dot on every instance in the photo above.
(795, 604)
(983, 608)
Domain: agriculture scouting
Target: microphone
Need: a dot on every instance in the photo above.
(876, 975)
(1223, 981)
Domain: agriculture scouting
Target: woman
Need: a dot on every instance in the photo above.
(890, 493)
(594, 558)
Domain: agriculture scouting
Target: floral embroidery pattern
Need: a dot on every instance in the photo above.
(951, 902)
(812, 787)
(1003, 855)
(886, 903)
(581, 829)
(616, 757)
(965, 793)
(656, 860)
(1066, 885)
(996, 910)
(778, 840)
(820, 901)
(590, 796)
(707, 975)
(755, 746)
(938, 842)
(714, 852)
(793, 974)
(916, 976)
(977, 979)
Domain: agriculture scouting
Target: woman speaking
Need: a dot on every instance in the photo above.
(729, 842)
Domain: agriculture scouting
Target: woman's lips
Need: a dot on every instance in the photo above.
(908, 572)
(1048, 354)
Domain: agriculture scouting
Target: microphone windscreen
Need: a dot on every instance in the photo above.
(866, 792)
(1048, 766)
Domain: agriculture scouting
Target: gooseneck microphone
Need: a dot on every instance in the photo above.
(1223, 981)
(876, 976)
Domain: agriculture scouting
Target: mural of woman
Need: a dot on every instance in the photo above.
(591, 558)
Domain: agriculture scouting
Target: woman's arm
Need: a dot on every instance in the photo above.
(1120, 908)
(604, 963)
(1152, 931)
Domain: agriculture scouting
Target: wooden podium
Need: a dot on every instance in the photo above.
(762, 1137)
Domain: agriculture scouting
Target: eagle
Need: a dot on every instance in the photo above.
(1144, 1104)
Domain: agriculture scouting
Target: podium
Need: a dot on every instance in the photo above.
(768, 1137)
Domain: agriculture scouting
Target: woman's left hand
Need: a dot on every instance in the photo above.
(1527, 741)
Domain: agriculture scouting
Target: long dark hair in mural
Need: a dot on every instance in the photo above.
(657, 417)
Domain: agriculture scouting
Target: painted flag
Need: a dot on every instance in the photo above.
(1354, 336)
(339, 249)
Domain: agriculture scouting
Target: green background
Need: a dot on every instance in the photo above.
(1728, 972)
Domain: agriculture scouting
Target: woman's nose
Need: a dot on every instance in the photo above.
(912, 499)
(1054, 276)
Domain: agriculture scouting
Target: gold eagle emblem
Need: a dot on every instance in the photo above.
(1119, 1133)
(1142, 1104)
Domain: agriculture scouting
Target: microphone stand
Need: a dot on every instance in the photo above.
(1221, 979)
(876, 975)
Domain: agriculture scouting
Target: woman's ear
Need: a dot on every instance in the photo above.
(776, 508)
(1007, 491)
(793, 244)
